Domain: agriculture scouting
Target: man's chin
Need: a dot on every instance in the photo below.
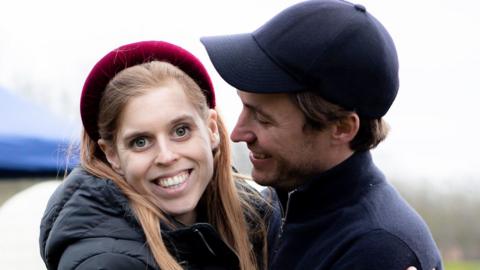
(263, 179)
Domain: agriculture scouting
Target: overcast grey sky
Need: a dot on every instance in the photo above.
(48, 47)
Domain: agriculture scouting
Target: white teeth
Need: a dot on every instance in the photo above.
(259, 156)
(173, 181)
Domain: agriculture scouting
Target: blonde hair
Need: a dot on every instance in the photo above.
(228, 207)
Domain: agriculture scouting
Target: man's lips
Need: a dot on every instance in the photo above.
(258, 156)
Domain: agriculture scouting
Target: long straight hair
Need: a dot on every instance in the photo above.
(227, 207)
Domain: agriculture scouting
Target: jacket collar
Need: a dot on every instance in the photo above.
(340, 186)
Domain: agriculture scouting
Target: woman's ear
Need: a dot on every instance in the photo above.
(213, 128)
(346, 129)
(111, 155)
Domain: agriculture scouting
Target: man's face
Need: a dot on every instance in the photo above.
(281, 152)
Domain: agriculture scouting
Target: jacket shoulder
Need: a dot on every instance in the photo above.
(389, 251)
(83, 187)
(106, 253)
(111, 261)
(390, 213)
(84, 207)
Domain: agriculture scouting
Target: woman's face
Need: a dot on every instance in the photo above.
(164, 148)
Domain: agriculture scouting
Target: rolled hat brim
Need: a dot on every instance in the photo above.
(135, 54)
(242, 63)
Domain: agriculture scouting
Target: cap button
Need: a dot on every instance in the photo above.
(360, 8)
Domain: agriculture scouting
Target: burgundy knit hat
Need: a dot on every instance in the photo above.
(130, 55)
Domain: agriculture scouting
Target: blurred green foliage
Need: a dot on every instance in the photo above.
(452, 211)
(474, 265)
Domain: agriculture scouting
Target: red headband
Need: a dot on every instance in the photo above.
(130, 55)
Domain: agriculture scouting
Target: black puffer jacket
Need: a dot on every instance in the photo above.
(88, 224)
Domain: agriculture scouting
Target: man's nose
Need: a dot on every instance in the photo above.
(242, 131)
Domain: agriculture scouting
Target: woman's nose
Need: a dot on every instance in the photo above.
(166, 154)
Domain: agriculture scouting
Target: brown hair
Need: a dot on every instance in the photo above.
(319, 113)
(227, 206)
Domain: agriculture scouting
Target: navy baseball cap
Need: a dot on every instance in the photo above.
(334, 48)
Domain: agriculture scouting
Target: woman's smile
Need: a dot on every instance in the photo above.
(172, 182)
(172, 186)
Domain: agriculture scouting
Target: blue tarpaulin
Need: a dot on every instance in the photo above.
(33, 141)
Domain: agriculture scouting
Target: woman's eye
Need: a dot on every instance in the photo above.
(181, 131)
(140, 142)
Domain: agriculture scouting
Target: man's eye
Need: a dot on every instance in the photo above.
(181, 131)
(261, 119)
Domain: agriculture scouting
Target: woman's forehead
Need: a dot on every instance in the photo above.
(161, 105)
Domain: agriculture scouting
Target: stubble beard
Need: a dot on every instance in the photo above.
(286, 175)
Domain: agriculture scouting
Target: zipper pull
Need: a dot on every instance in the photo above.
(204, 241)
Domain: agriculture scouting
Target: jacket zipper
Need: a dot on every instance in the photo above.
(208, 246)
(284, 220)
(204, 241)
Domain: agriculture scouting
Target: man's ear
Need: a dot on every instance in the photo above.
(111, 155)
(213, 128)
(344, 130)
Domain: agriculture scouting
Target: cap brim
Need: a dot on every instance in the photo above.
(241, 62)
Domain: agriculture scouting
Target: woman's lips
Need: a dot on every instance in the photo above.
(172, 181)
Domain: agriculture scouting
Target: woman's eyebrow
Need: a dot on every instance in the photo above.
(182, 118)
(133, 134)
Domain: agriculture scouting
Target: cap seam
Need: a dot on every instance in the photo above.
(329, 47)
(277, 63)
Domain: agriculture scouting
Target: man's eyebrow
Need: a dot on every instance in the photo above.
(259, 110)
(253, 108)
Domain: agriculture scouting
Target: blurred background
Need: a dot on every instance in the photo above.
(48, 47)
